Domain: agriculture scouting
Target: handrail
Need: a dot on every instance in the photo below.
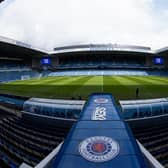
(49, 158)
(150, 159)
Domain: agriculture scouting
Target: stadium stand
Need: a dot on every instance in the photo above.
(31, 128)
(24, 141)
(98, 73)
(6, 64)
(114, 72)
(152, 133)
(30, 132)
(12, 75)
(96, 61)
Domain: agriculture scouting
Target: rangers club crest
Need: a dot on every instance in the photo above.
(99, 149)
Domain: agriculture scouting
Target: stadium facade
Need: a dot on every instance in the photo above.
(34, 129)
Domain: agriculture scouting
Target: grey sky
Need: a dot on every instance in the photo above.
(52, 23)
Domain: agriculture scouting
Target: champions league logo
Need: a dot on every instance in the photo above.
(99, 149)
(101, 100)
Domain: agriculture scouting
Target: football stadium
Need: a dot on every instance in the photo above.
(93, 105)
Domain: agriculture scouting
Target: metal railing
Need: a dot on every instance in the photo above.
(150, 160)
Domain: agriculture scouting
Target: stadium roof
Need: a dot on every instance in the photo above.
(12, 48)
(108, 47)
(21, 49)
(101, 47)
(163, 51)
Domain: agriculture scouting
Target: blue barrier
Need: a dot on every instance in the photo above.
(100, 138)
(10, 100)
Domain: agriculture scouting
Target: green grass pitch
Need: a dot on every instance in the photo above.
(122, 87)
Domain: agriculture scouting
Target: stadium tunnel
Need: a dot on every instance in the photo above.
(100, 138)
